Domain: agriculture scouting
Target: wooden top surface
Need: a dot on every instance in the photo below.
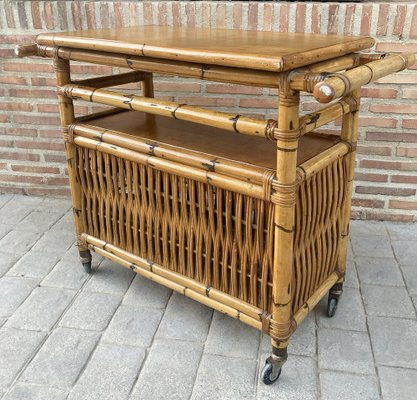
(269, 51)
(212, 141)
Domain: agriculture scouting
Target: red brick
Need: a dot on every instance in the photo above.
(9, 14)
(38, 81)
(253, 16)
(404, 179)
(315, 18)
(379, 93)
(232, 89)
(399, 20)
(268, 17)
(237, 16)
(147, 13)
(283, 19)
(25, 144)
(37, 93)
(300, 18)
(11, 189)
(176, 17)
(190, 12)
(36, 15)
(21, 179)
(388, 217)
(374, 150)
(62, 15)
(409, 93)
(410, 123)
(6, 143)
(90, 14)
(382, 26)
(7, 53)
(91, 69)
(27, 67)
(378, 122)
(4, 118)
(333, 18)
(392, 136)
(2, 166)
(35, 169)
(58, 181)
(207, 101)
(10, 155)
(221, 16)
(394, 165)
(407, 151)
(366, 19)
(48, 108)
(55, 158)
(104, 15)
(387, 191)
(13, 80)
(403, 205)
(369, 177)
(258, 103)
(76, 15)
(16, 106)
(177, 87)
(50, 133)
(48, 16)
(394, 108)
(413, 28)
(350, 11)
(367, 203)
(36, 120)
(396, 47)
(118, 15)
(162, 13)
(399, 79)
(18, 131)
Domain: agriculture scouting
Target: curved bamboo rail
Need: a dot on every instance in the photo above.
(337, 85)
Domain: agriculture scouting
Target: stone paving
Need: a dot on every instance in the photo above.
(114, 335)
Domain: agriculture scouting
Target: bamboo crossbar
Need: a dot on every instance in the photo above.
(217, 119)
(113, 80)
(316, 164)
(223, 166)
(199, 175)
(338, 85)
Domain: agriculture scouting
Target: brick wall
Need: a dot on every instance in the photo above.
(31, 151)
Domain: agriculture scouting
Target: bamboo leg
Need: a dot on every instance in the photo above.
(350, 135)
(287, 134)
(147, 86)
(66, 111)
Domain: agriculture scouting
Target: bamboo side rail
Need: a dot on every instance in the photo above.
(223, 166)
(217, 119)
(314, 120)
(113, 80)
(199, 175)
(338, 85)
(316, 164)
(171, 67)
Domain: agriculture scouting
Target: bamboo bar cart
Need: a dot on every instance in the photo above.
(247, 216)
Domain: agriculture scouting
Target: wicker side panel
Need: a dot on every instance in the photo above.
(217, 237)
(318, 229)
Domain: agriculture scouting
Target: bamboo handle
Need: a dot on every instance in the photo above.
(26, 50)
(340, 84)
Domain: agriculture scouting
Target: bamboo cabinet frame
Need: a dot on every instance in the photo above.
(260, 243)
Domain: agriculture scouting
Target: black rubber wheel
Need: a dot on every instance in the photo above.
(87, 267)
(270, 374)
(331, 306)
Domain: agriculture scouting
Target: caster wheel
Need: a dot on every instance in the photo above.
(270, 374)
(331, 306)
(87, 267)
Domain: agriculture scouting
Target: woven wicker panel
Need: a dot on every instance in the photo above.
(215, 236)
